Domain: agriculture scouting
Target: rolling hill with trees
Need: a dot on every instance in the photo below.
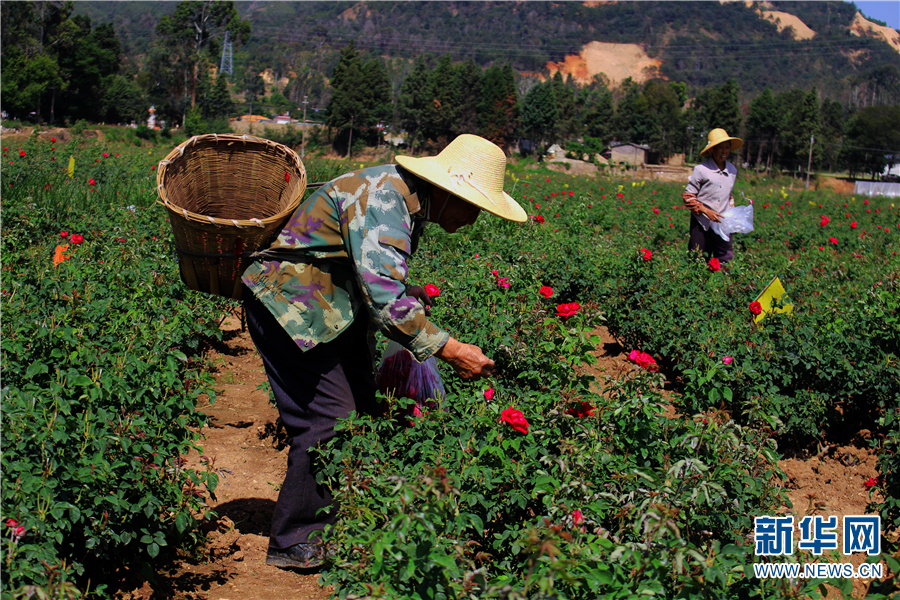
(437, 69)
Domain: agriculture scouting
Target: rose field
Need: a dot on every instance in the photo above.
(536, 483)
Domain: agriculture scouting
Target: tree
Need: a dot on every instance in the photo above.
(498, 112)
(362, 96)
(567, 124)
(220, 103)
(663, 116)
(631, 121)
(412, 103)
(873, 137)
(832, 132)
(539, 113)
(722, 109)
(441, 111)
(195, 26)
(468, 84)
(762, 127)
(599, 120)
(123, 100)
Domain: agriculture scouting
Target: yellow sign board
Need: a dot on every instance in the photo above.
(770, 297)
(71, 166)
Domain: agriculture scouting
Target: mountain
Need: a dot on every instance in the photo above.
(779, 45)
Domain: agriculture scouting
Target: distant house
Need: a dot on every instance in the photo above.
(626, 152)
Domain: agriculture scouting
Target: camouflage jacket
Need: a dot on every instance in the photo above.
(346, 247)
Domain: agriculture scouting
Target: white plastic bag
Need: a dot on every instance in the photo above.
(404, 376)
(735, 219)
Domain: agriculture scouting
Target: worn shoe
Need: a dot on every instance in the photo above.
(307, 555)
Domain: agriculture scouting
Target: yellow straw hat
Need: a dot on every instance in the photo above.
(716, 137)
(472, 169)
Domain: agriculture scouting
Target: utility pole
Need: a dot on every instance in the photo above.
(809, 163)
(303, 147)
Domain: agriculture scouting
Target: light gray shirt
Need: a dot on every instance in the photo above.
(712, 186)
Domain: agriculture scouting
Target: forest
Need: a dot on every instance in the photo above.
(413, 68)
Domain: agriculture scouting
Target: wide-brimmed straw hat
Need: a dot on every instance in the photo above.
(717, 136)
(472, 169)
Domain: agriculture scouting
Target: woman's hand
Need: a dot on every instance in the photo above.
(711, 214)
(422, 296)
(467, 360)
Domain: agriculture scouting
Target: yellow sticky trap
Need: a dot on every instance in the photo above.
(772, 294)
(71, 166)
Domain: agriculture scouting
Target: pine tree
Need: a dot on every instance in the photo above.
(441, 112)
(498, 113)
(762, 126)
(415, 94)
(468, 86)
(220, 103)
(539, 113)
(599, 120)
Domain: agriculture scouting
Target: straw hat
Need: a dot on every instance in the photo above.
(470, 168)
(716, 137)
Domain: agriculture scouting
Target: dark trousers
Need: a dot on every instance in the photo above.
(312, 390)
(709, 242)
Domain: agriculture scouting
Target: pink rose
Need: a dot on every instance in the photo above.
(643, 360)
(515, 419)
(727, 359)
(577, 517)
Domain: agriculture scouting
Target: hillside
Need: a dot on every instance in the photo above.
(779, 45)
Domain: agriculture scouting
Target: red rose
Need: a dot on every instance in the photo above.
(545, 291)
(12, 523)
(52, 139)
(92, 182)
(755, 307)
(853, 225)
(77, 238)
(871, 482)
(577, 517)
(432, 290)
(824, 221)
(655, 211)
(647, 254)
(567, 310)
(714, 265)
(581, 410)
(538, 218)
(63, 234)
(833, 240)
(643, 360)
(106, 155)
(22, 153)
(515, 418)
(489, 394)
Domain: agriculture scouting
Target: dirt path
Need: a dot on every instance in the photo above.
(242, 444)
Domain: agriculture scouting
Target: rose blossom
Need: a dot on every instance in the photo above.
(63, 234)
(567, 310)
(515, 418)
(643, 360)
(755, 307)
(92, 182)
(489, 394)
(545, 291)
(538, 219)
(824, 221)
(714, 265)
(581, 410)
(577, 517)
(833, 240)
(647, 254)
(853, 225)
(871, 482)
(77, 238)
(727, 359)
(432, 290)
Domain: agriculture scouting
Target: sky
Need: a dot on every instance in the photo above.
(883, 10)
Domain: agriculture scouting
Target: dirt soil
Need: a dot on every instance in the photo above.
(241, 443)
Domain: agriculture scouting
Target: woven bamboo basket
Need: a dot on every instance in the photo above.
(227, 196)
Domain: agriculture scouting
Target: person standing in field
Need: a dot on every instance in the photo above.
(337, 273)
(709, 193)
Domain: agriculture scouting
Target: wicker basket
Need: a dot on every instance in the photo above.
(227, 196)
